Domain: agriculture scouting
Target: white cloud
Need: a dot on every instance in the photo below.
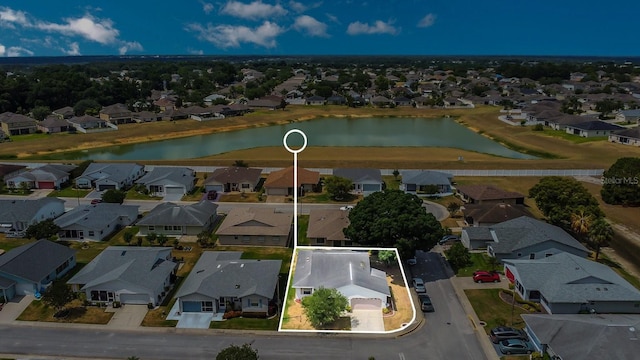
(253, 11)
(379, 27)
(227, 36)
(195, 52)
(98, 30)
(427, 21)
(128, 46)
(310, 26)
(297, 6)
(207, 7)
(15, 51)
(74, 49)
(2, 50)
(333, 18)
(9, 16)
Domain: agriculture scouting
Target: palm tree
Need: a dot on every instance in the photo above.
(453, 208)
(581, 222)
(600, 234)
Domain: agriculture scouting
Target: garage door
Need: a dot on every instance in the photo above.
(139, 299)
(106, 187)
(362, 303)
(174, 190)
(191, 306)
(277, 191)
(218, 188)
(46, 185)
(25, 288)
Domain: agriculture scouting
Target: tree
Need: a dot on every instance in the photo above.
(128, 236)
(162, 239)
(240, 163)
(151, 237)
(453, 208)
(558, 197)
(396, 173)
(114, 196)
(581, 223)
(388, 257)
(40, 112)
(203, 238)
(600, 234)
(45, 229)
(235, 352)
(57, 295)
(493, 263)
(458, 256)
(392, 218)
(324, 306)
(621, 182)
(338, 187)
(86, 106)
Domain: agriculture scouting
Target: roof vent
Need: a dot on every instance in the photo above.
(237, 286)
(241, 265)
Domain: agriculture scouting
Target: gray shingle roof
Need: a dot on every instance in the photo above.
(177, 175)
(145, 267)
(35, 261)
(567, 278)
(23, 210)
(333, 269)
(597, 125)
(234, 174)
(95, 216)
(359, 175)
(172, 214)
(256, 221)
(223, 273)
(116, 171)
(425, 177)
(328, 224)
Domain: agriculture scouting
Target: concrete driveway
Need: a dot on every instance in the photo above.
(366, 319)
(194, 321)
(128, 316)
(172, 197)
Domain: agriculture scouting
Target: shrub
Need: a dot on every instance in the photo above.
(232, 314)
(116, 304)
(150, 306)
(538, 127)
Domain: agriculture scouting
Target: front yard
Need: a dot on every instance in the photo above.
(480, 261)
(70, 192)
(494, 311)
(78, 313)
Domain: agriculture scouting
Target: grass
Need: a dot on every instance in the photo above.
(264, 253)
(70, 192)
(392, 182)
(194, 195)
(7, 244)
(325, 198)
(252, 197)
(132, 194)
(480, 261)
(491, 309)
(603, 259)
(247, 324)
(573, 138)
(28, 137)
(303, 225)
(39, 311)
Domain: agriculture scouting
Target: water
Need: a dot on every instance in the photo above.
(342, 132)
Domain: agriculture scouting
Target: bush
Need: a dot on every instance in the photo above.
(232, 314)
(116, 304)
(150, 306)
(538, 127)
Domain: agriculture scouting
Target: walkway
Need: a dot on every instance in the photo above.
(11, 310)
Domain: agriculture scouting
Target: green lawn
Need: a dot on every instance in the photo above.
(70, 192)
(491, 309)
(603, 259)
(26, 137)
(573, 138)
(247, 324)
(303, 225)
(480, 262)
(392, 182)
(7, 244)
(134, 195)
(263, 253)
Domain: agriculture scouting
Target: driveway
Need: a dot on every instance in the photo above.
(366, 318)
(194, 321)
(11, 310)
(172, 197)
(128, 316)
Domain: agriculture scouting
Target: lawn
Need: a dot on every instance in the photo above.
(264, 253)
(480, 261)
(573, 138)
(491, 309)
(247, 324)
(7, 244)
(392, 182)
(241, 197)
(69, 192)
(132, 194)
(303, 225)
(39, 311)
(325, 198)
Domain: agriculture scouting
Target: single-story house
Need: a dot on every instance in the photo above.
(347, 271)
(32, 267)
(626, 137)
(522, 238)
(325, 227)
(44, 177)
(64, 112)
(233, 179)
(381, 101)
(492, 213)
(88, 123)
(95, 222)
(19, 214)
(418, 181)
(280, 182)
(593, 128)
(17, 124)
(315, 100)
(106, 176)
(629, 116)
(173, 114)
(484, 194)
(568, 284)
(571, 336)
(561, 122)
(336, 100)
(220, 281)
(128, 274)
(365, 181)
(116, 114)
(7, 170)
(161, 180)
(53, 124)
(175, 220)
(255, 226)
(145, 116)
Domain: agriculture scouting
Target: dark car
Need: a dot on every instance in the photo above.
(448, 238)
(515, 346)
(95, 201)
(425, 303)
(505, 333)
(486, 276)
(211, 195)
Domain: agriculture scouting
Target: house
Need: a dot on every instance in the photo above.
(161, 180)
(95, 222)
(281, 182)
(214, 98)
(106, 176)
(88, 124)
(7, 170)
(176, 220)
(233, 179)
(571, 336)
(593, 128)
(19, 214)
(116, 114)
(561, 122)
(628, 116)
(30, 268)
(492, 213)
(626, 137)
(64, 113)
(53, 124)
(347, 271)
(325, 227)
(568, 284)
(221, 281)
(365, 181)
(172, 114)
(264, 103)
(202, 114)
(145, 116)
(420, 181)
(128, 274)
(402, 101)
(488, 194)
(52, 176)
(381, 101)
(17, 124)
(521, 238)
(255, 226)
(336, 100)
(315, 100)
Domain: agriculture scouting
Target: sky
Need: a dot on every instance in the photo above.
(319, 27)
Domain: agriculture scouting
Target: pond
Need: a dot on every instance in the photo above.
(340, 132)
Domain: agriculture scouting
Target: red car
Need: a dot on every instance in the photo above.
(486, 276)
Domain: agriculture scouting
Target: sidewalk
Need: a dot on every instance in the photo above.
(11, 310)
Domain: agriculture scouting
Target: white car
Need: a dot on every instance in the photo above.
(418, 284)
(346, 208)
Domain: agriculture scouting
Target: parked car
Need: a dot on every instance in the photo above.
(425, 303)
(412, 261)
(96, 201)
(418, 284)
(447, 238)
(346, 208)
(506, 333)
(515, 346)
(486, 276)
(212, 194)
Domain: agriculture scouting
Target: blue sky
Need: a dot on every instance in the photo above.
(322, 27)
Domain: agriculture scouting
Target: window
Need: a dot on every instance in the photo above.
(261, 239)
(152, 228)
(206, 306)
(307, 291)
(254, 302)
(246, 239)
(245, 186)
(275, 239)
(320, 241)
(177, 227)
(91, 233)
(532, 256)
(547, 255)
(167, 227)
(519, 255)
